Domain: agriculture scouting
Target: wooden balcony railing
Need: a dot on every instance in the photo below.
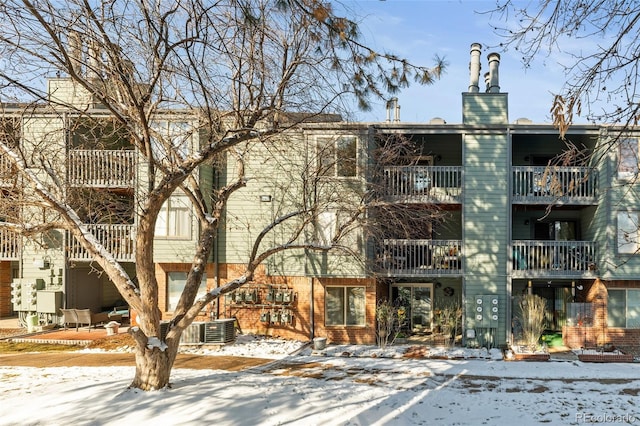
(119, 240)
(441, 184)
(567, 185)
(7, 171)
(421, 257)
(102, 168)
(9, 245)
(553, 258)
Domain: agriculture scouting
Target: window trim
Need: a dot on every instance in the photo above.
(201, 291)
(619, 233)
(344, 307)
(166, 210)
(632, 149)
(321, 141)
(626, 304)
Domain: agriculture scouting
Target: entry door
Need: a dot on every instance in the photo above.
(417, 299)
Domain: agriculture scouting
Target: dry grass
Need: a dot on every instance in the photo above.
(107, 343)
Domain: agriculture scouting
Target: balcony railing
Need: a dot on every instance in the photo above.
(441, 184)
(102, 168)
(545, 185)
(7, 171)
(9, 245)
(553, 258)
(119, 240)
(421, 257)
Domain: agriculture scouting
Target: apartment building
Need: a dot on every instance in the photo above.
(515, 216)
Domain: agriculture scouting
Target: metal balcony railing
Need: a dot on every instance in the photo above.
(567, 185)
(553, 258)
(9, 245)
(102, 168)
(441, 184)
(119, 240)
(421, 257)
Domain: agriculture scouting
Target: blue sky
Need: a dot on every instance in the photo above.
(420, 29)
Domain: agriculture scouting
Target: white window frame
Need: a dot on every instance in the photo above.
(179, 133)
(330, 160)
(326, 228)
(628, 323)
(627, 232)
(175, 219)
(360, 306)
(176, 280)
(628, 150)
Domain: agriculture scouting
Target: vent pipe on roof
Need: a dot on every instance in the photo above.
(494, 80)
(474, 68)
(487, 81)
(392, 105)
(75, 51)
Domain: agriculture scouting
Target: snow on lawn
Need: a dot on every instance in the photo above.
(341, 385)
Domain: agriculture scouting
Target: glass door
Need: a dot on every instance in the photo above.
(417, 299)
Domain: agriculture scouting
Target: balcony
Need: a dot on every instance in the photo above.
(415, 258)
(102, 168)
(570, 259)
(9, 245)
(7, 171)
(554, 185)
(119, 240)
(423, 184)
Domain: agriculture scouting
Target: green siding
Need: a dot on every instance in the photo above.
(484, 108)
(486, 223)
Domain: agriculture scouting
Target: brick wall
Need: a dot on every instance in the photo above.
(600, 333)
(250, 315)
(6, 308)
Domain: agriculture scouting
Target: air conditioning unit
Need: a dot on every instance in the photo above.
(220, 331)
(164, 329)
(193, 334)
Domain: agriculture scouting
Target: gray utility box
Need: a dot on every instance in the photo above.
(48, 301)
(220, 331)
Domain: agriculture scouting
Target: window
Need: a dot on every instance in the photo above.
(627, 232)
(178, 134)
(345, 306)
(174, 219)
(628, 158)
(623, 308)
(326, 228)
(176, 282)
(337, 156)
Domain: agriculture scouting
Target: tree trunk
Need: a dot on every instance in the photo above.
(153, 369)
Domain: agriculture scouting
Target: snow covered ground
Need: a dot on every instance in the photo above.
(342, 385)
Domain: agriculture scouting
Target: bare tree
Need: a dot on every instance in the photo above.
(230, 73)
(599, 42)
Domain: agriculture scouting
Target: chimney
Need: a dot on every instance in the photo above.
(487, 81)
(75, 51)
(94, 61)
(392, 105)
(474, 68)
(494, 81)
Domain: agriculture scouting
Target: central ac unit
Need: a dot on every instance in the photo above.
(220, 331)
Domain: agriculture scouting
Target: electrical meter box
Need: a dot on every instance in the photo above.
(24, 295)
(48, 301)
(486, 311)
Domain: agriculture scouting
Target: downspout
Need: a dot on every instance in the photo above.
(216, 251)
(312, 322)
